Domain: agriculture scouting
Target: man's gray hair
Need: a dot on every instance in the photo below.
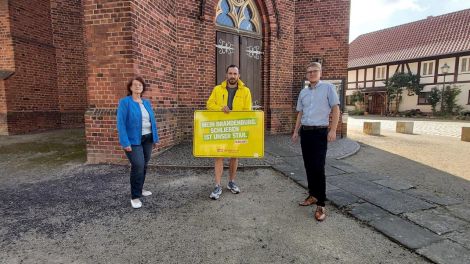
(313, 64)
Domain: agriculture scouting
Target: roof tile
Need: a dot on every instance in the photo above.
(433, 36)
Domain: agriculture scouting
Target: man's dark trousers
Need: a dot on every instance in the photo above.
(314, 143)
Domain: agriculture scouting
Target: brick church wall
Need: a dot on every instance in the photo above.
(32, 93)
(45, 53)
(68, 39)
(7, 64)
(279, 109)
(72, 56)
(322, 31)
(171, 46)
(110, 64)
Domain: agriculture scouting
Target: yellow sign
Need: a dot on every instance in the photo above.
(236, 134)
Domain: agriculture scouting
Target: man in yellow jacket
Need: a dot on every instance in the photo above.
(230, 95)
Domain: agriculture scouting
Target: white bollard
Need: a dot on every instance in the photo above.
(372, 128)
(465, 134)
(404, 127)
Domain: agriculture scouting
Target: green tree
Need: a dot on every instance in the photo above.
(357, 97)
(398, 83)
(449, 98)
(434, 98)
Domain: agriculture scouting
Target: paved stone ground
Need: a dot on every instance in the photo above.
(64, 219)
(436, 224)
(181, 155)
(414, 215)
(436, 163)
(421, 125)
(84, 216)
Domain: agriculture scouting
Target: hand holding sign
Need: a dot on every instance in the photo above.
(238, 135)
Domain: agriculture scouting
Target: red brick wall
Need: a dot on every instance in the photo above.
(322, 31)
(166, 43)
(44, 49)
(3, 110)
(6, 62)
(143, 44)
(195, 61)
(110, 64)
(279, 109)
(6, 43)
(155, 51)
(67, 29)
(32, 91)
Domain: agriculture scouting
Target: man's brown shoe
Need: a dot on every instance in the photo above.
(320, 213)
(309, 201)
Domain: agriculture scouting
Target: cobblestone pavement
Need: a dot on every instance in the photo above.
(447, 155)
(422, 208)
(425, 127)
(83, 215)
(181, 154)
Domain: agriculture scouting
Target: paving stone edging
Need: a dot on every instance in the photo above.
(437, 228)
(408, 227)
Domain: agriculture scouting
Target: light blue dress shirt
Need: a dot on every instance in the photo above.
(316, 103)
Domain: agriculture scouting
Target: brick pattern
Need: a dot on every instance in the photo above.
(155, 51)
(32, 91)
(21, 122)
(322, 31)
(326, 40)
(67, 29)
(110, 64)
(281, 56)
(47, 90)
(101, 136)
(167, 44)
(6, 43)
(196, 60)
(3, 110)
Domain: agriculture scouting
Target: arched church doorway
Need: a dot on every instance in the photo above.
(239, 41)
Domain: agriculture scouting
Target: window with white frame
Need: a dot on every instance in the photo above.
(427, 68)
(380, 72)
(465, 65)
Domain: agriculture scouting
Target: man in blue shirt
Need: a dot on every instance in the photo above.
(315, 103)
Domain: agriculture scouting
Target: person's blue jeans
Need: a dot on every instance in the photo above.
(139, 158)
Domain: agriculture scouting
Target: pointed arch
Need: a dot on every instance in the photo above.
(239, 15)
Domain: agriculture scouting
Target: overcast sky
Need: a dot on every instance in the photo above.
(373, 15)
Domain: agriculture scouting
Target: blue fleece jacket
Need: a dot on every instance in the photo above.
(129, 121)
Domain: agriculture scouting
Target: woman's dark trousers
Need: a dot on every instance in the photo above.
(139, 158)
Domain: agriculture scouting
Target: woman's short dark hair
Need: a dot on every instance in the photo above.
(141, 80)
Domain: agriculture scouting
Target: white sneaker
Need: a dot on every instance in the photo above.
(233, 187)
(216, 193)
(146, 193)
(136, 203)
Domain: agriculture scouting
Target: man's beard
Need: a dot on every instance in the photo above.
(232, 81)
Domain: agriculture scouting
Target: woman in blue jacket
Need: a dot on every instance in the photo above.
(137, 129)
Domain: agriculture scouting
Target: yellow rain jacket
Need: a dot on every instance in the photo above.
(219, 98)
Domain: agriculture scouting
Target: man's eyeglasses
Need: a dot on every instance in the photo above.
(313, 71)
